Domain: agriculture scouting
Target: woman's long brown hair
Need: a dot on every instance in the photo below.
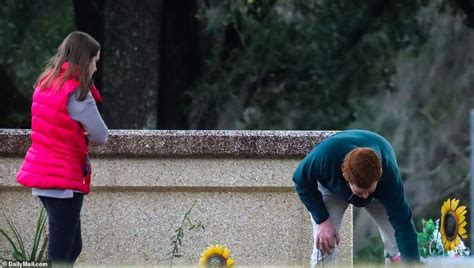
(77, 49)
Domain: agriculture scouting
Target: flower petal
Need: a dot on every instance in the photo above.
(230, 262)
(452, 245)
(454, 204)
(441, 229)
(220, 250)
(226, 253)
(460, 210)
(444, 208)
(457, 241)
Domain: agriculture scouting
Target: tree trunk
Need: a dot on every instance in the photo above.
(180, 62)
(89, 18)
(131, 63)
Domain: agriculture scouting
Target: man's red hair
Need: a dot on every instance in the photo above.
(362, 167)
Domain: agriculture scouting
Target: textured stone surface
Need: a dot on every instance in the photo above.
(134, 227)
(179, 172)
(173, 143)
(245, 199)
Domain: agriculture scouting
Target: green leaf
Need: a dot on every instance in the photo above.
(18, 237)
(9, 240)
(179, 234)
(41, 254)
(17, 255)
(189, 220)
(38, 234)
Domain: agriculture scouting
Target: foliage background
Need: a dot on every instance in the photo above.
(400, 68)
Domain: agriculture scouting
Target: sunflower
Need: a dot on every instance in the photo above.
(216, 256)
(453, 224)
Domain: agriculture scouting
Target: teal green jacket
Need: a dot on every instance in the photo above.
(324, 165)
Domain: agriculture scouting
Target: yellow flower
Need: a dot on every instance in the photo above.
(216, 256)
(453, 223)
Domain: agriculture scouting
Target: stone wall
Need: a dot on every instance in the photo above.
(144, 182)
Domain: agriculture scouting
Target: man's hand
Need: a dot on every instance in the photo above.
(395, 259)
(326, 237)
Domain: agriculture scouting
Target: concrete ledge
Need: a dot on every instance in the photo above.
(144, 181)
(176, 143)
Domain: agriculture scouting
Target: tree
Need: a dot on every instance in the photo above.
(136, 40)
(14, 106)
(180, 62)
(29, 35)
(130, 59)
(302, 64)
(89, 18)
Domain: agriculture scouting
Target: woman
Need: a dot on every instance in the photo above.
(64, 120)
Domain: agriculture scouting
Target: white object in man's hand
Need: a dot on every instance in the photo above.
(327, 237)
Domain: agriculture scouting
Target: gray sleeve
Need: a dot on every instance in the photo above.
(86, 113)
